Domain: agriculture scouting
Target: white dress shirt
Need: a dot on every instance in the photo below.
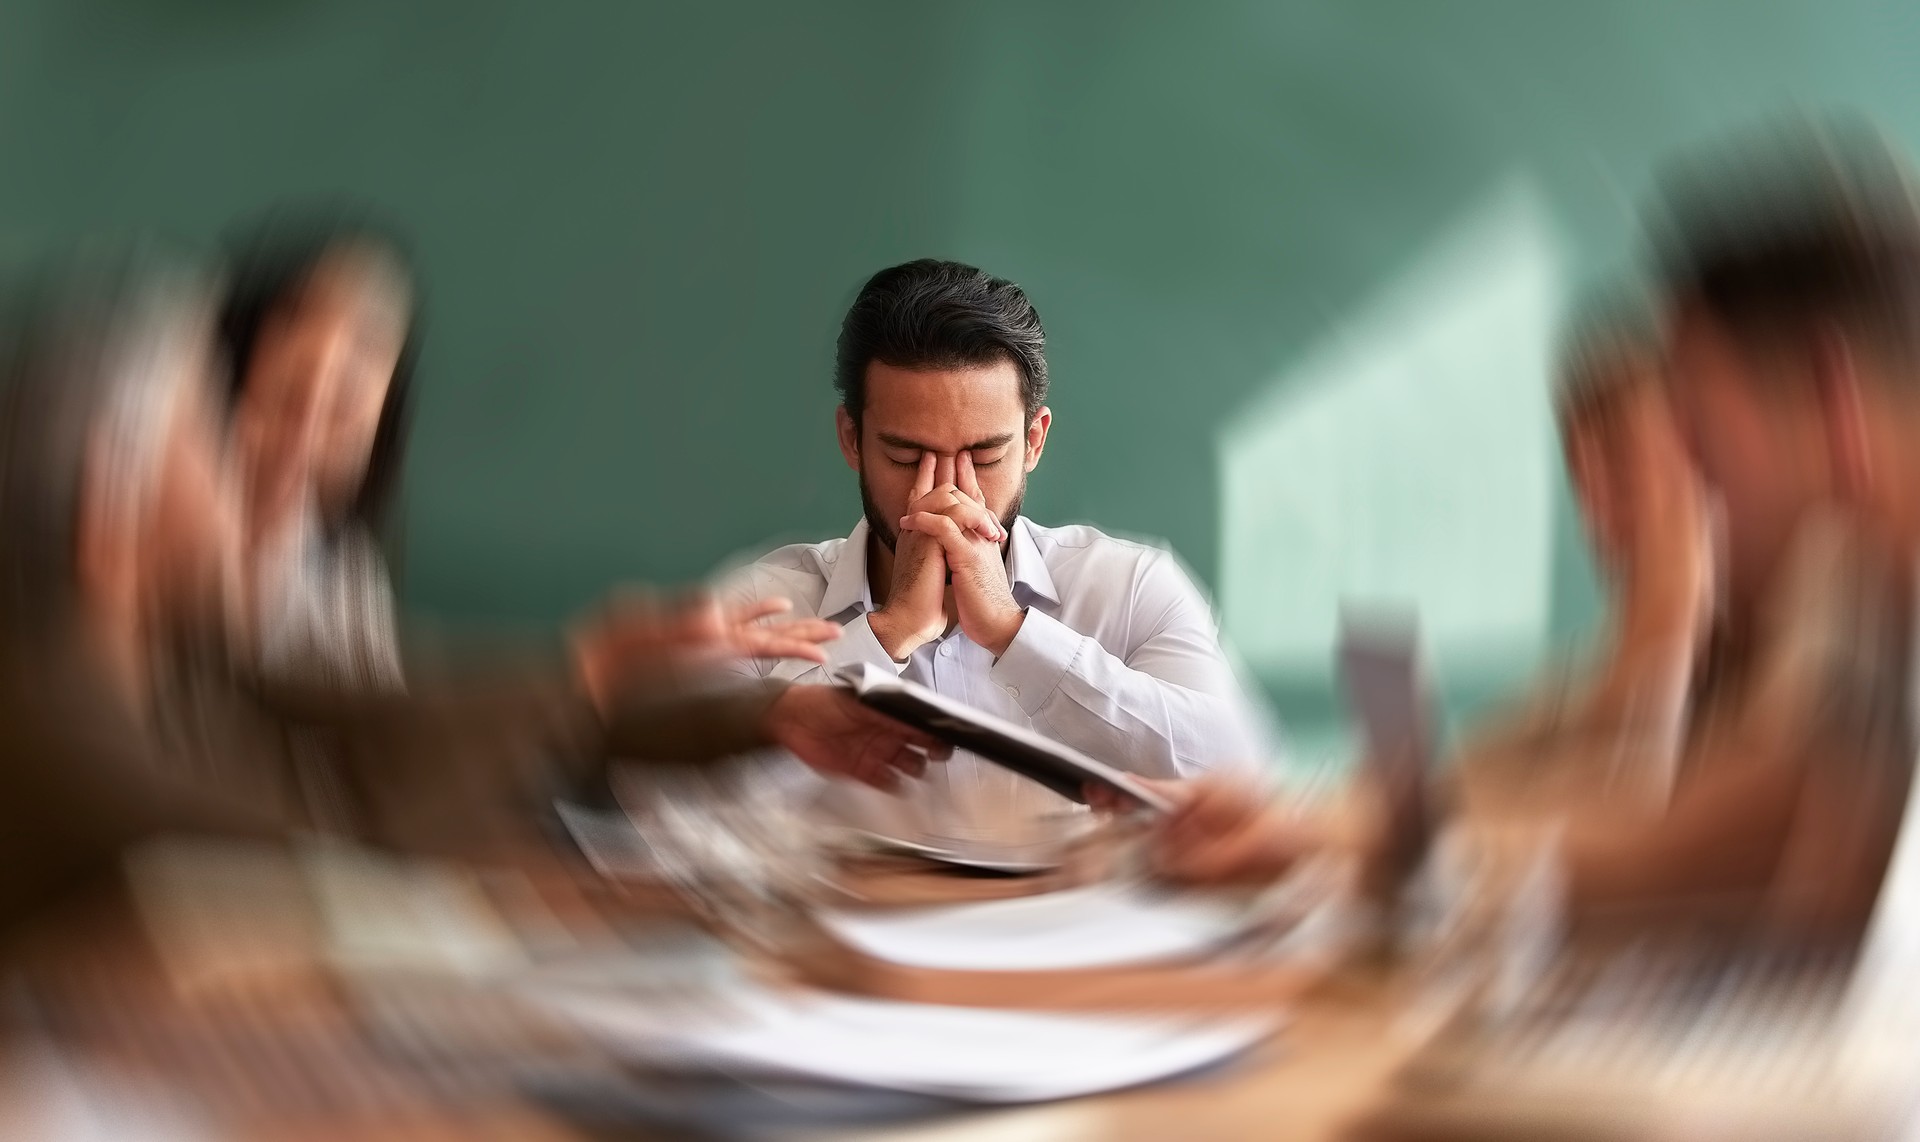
(1118, 657)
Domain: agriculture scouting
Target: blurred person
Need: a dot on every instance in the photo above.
(318, 329)
(119, 542)
(116, 527)
(1791, 277)
(1613, 727)
(1791, 273)
(1097, 642)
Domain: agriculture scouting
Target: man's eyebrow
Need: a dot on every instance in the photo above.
(901, 442)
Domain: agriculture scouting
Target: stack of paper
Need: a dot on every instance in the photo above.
(1103, 925)
(758, 1033)
(952, 1052)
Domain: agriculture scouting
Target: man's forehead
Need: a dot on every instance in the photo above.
(947, 407)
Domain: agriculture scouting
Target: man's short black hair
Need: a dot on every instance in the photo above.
(931, 314)
(1815, 221)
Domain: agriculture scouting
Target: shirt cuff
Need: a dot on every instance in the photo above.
(1036, 660)
(856, 644)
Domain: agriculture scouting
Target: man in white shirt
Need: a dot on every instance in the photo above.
(1097, 642)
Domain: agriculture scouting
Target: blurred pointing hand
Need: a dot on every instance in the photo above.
(634, 638)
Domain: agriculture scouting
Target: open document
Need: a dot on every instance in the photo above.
(1060, 768)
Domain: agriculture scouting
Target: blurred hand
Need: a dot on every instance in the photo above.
(1222, 831)
(956, 517)
(1670, 558)
(830, 730)
(917, 609)
(637, 638)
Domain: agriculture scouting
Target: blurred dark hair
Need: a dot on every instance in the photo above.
(1811, 221)
(270, 264)
(931, 314)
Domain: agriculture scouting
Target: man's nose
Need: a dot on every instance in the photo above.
(944, 470)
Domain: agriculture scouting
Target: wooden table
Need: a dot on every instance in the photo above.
(286, 1060)
(1325, 1073)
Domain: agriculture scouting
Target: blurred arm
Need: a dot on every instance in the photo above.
(471, 748)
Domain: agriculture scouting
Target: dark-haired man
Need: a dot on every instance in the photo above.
(1100, 643)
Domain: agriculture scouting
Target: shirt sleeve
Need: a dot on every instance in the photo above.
(856, 643)
(1172, 707)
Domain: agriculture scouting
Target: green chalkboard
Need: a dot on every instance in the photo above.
(638, 223)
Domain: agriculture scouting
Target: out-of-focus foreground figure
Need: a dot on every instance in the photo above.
(119, 525)
(126, 714)
(317, 329)
(1613, 729)
(1788, 280)
(1742, 929)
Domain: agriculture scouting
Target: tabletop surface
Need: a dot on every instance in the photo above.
(280, 1054)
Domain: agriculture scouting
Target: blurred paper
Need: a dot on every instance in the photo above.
(384, 913)
(46, 1097)
(1099, 926)
(223, 913)
(953, 1052)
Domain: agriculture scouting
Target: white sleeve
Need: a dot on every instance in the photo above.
(856, 643)
(1172, 707)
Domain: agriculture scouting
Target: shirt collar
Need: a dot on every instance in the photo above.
(848, 589)
(847, 586)
(1026, 570)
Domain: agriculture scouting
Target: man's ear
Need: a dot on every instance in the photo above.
(1843, 415)
(849, 433)
(1037, 427)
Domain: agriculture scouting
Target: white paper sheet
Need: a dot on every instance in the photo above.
(388, 913)
(954, 1052)
(1098, 926)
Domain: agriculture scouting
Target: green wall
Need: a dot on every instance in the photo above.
(639, 223)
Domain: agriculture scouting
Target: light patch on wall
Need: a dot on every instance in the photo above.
(1408, 460)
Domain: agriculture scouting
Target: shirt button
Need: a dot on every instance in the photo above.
(1013, 691)
(946, 648)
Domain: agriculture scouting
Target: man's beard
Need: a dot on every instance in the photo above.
(888, 530)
